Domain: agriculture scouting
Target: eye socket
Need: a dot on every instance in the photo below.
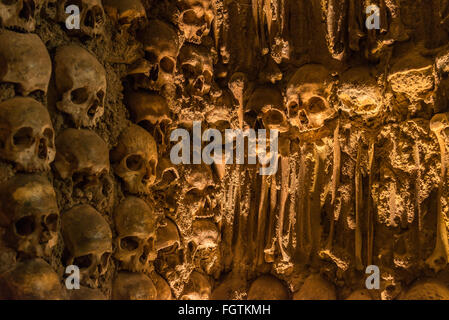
(293, 109)
(167, 65)
(316, 105)
(134, 162)
(8, 2)
(25, 226)
(275, 117)
(24, 137)
(51, 222)
(83, 262)
(189, 17)
(129, 243)
(48, 133)
(79, 96)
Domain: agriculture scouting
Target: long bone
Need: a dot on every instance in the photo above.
(285, 172)
(438, 123)
(370, 210)
(358, 207)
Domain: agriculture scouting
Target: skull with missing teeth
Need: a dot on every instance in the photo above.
(81, 83)
(26, 134)
(308, 94)
(135, 159)
(30, 213)
(135, 223)
(91, 15)
(197, 66)
(83, 157)
(195, 19)
(161, 44)
(88, 241)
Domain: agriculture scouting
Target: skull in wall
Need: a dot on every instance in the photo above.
(308, 94)
(24, 61)
(150, 111)
(168, 245)
(266, 102)
(412, 76)
(92, 16)
(135, 159)
(19, 14)
(31, 280)
(133, 286)
(30, 213)
(161, 44)
(199, 200)
(162, 287)
(197, 67)
(404, 150)
(198, 287)
(26, 134)
(135, 223)
(359, 94)
(83, 157)
(195, 19)
(267, 287)
(125, 12)
(81, 84)
(204, 245)
(88, 243)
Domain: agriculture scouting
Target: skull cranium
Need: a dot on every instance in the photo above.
(81, 83)
(136, 159)
(197, 66)
(88, 240)
(26, 134)
(135, 223)
(133, 286)
(19, 14)
(195, 19)
(92, 16)
(308, 93)
(31, 214)
(24, 61)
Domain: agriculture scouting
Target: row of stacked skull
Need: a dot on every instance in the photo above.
(311, 101)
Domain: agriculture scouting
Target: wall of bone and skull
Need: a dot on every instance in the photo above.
(86, 177)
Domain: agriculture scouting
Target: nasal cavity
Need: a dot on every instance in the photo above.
(42, 149)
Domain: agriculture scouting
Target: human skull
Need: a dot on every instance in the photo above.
(85, 293)
(150, 111)
(199, 191)
(19, 14)
(26, 134)
(88, 240)
(412, 75)
(359, 94)
(133, 286)
(83, 157)
(81, 83)
(24, 61)
(161, 45)
(92, 16)
(168, 245)
(204, 245)
(125, 12)
(428, 289)
(267, 287)
(135, 223)
(197, 288)
(308, 94)
(195, 19)
(30, 214)
(266, 102)
(197, 67)
(136, 159)
(31, 280)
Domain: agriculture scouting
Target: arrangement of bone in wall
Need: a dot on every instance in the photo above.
(88, 187)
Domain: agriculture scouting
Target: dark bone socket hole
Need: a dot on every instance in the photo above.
(129, 243)
(25, 226)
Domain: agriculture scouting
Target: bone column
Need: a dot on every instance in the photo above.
(285, 173)
(358, 206)
(441, 251)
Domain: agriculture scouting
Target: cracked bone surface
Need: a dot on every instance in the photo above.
(87, 162)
